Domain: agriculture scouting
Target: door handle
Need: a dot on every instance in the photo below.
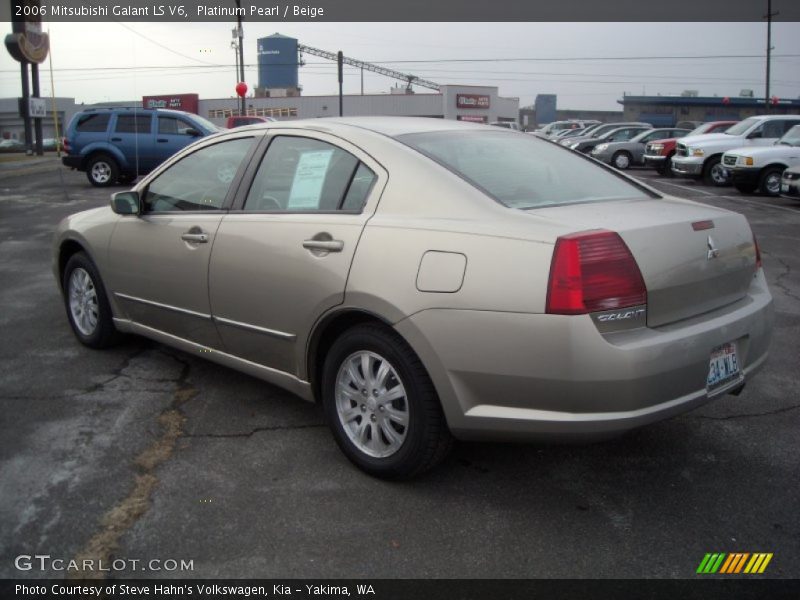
(162, 140)
(324, 245)
(195, 238)
(116, 139)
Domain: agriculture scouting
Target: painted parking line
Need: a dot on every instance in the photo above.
(653, 181)
(762, 204)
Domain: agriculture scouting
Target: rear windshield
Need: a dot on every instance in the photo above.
(522, 171)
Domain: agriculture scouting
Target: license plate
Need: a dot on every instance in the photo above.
(784, 187)
(723, 367)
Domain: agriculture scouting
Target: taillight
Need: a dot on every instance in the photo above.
(758, 253)
(65, 144)
(593, 271)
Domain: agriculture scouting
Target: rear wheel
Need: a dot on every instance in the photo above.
(87, 306)
(381, 405)
(714, 173)
(770, 181)
(102, 170)
(621, 160)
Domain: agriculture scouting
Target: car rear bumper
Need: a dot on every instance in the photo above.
(686, 166)
(505, 376)
(73, 162)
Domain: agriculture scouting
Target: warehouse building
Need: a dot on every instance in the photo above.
(666, 111)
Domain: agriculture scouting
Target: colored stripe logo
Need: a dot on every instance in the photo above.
(734, 563)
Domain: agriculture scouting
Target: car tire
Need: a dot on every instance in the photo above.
(102, 170)
(397, 437)
(621, 160)
(770, 181)
(88, 311)
(666, 169)
(745, 188)
(714, 172)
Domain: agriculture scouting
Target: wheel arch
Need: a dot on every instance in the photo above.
(66, 250)
(325, 333)
(114, 153)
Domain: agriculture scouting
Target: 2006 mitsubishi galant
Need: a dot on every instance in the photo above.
(424, 279)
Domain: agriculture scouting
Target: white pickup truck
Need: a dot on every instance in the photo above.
(700, 156)
(761, 168)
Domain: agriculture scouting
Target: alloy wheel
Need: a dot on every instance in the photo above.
(371, 404)
(83, 301)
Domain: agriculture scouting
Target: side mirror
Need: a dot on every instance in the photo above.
(194, 132)
(126, 203)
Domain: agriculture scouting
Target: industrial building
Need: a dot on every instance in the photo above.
(666, 111)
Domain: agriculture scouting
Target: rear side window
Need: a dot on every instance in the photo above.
(133, 123)
(93, 123)
(522, 171)
(305, 175)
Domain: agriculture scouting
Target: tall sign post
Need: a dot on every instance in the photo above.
(28, 45)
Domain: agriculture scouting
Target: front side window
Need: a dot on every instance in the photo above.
(301, 175)
(521, 171)
(133, 123)
(199, 181)
(173, 126)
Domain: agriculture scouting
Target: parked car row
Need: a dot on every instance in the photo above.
(751, 155)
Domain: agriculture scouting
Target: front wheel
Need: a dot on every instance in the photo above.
(714, 173)
(381, 404)
(666, 169)
(87, 306)
(770, 181)
(621, 160)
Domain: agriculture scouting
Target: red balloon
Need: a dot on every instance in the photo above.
(775, 99)
(726, 100)
(241, 89)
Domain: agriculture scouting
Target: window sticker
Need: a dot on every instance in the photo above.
(308, 180)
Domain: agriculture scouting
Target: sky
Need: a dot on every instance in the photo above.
(588, 65)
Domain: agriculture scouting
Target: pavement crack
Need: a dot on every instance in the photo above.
(124, 515)
(252, 432)
(769, 413)
(779, 283)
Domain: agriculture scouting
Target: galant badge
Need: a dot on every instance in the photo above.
(713, 252)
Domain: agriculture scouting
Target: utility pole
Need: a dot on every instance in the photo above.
(242, 110)
(340, 64)
(770, 14)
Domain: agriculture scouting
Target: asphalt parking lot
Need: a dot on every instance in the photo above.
(144, 452)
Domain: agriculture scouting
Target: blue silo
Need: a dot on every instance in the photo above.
(277, 62)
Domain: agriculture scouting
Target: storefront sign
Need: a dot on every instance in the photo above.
(185, 102)
(473, 118)
(472, 101)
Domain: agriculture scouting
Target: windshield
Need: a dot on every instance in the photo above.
(791, 137)
(522, 171)
(706, 128)
(742, 126)
(207, 125)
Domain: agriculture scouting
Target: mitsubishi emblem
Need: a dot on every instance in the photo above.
(713, 252)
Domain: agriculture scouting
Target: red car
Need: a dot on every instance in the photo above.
(658, 153)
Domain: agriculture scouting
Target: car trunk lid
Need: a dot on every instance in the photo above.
(693, 258)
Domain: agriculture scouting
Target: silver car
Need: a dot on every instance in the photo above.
(426, 279)
(629, 153)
